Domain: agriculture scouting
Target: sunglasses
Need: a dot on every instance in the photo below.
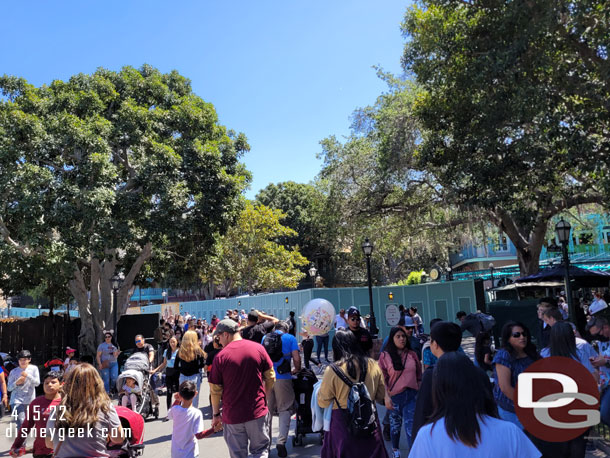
(108, 337)
(138, 341)
(354, 318)
(516, 335)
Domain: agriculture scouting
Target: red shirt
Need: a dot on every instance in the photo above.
(239, 368)
(36, 417)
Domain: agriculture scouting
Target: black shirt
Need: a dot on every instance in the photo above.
(211, 351)
(363, 336)
(189, 368)
(256, 332)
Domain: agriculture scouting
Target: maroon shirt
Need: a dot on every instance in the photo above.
(239, 368)
(36, 417)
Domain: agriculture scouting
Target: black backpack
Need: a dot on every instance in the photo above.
(273, 345)
(361, 413)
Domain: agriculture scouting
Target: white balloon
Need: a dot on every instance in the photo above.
(318, 317)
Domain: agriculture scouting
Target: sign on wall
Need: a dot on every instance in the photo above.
(392, 314)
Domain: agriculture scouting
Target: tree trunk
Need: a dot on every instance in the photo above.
(95, 305)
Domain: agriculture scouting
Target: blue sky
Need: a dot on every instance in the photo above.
(285, 73)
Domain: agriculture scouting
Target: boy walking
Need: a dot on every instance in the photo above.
(38, 413)
(188, 422)
(22, 383)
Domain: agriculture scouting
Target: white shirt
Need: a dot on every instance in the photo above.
(597, 305)
(187, 423)
(340, 322)
(499, 439)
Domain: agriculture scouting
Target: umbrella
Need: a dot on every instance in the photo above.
(582, 277)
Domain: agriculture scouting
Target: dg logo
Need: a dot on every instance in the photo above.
(557, 399)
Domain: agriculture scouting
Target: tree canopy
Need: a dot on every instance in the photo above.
(101, 172)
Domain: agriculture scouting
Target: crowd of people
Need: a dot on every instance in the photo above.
(446, 404)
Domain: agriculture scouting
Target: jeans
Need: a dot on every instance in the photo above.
(509, 416)
(604, 406)
(109, 376)
(322, 340)
(196, 379)
(250, 439)
(402, 414)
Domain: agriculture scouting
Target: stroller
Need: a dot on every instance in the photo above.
(133, 426)
(303, 390)
(137, 367)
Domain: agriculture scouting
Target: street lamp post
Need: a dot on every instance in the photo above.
(116, 282)
(562, 228)
(491, 272)
(367, 249)
(164, 294)
(312, 273)
(39, 309)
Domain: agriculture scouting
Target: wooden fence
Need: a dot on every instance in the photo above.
(45, 336)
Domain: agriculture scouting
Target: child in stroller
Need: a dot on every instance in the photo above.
(130, 393)
(137, 367)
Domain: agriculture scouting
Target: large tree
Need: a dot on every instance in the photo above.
(251, 256)
(514, 110)
(99, 173)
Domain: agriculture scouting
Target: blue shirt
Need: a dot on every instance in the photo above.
(289, 344)
(499, 438)
(584, 351)
(172, 359)
(516, 366)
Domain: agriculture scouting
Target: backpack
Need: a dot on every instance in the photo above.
(487, 321)
(273, 345)
(361, 414)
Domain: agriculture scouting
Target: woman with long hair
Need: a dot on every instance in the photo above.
(465, 418)
(85, 408)
(516, 354)
(190, 361)
(178, 335)
(402, 374)
(351, 361)
(171, 373)
(563, 342)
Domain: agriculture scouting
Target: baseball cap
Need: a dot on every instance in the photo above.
(409, 323)
(70, 350)
(24, 354)
(227, 325)
(597, 322)
(353, 311)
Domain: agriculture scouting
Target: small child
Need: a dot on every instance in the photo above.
(130, 392)
(188, 422)
(22, 383)
(38, 413)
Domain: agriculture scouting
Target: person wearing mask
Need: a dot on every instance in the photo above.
(85, 406)
(351, 361)
(445, 337)
(402, 376)
(172, 376)
(516, 354)
(363, 336)
(465, 420)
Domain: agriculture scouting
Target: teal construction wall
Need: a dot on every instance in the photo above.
(433, 300)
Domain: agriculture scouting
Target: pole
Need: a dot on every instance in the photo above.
(492, 276)
(373, 321)
(313, 282)
(568, 286)
(115, 313)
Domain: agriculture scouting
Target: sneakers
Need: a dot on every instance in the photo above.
(395, 453)
(281, 450)
(386, 432)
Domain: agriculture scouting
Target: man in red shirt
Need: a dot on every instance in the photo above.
(242, 374)
(37, 416)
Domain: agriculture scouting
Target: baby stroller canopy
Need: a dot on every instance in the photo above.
(138, 362)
